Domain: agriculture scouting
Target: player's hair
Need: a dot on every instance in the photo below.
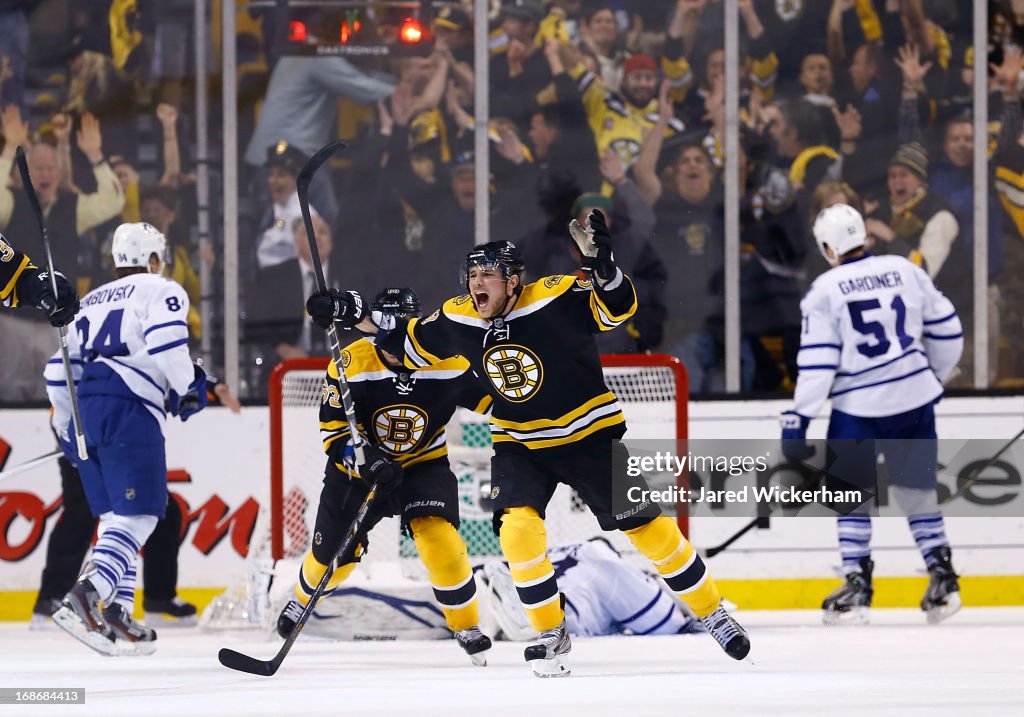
(123, 271)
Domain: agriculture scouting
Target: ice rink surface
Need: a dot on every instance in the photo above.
(973, 664)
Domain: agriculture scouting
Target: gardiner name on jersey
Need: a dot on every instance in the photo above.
(539, 363)
(878, 339)
(403, 412)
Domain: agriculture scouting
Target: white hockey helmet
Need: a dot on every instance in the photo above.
(841, 228)
(134, 244)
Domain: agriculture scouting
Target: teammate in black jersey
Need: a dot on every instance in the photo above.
(23, 283)
(402, 415)
(553, 421)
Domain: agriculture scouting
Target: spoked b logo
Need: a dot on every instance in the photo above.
(399, 428)
(514, 371)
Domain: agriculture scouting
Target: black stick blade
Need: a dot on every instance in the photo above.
(243, 663)
(321, 156)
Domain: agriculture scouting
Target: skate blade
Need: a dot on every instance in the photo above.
(939, 613)
(42, 623)
(159, 619)
(479, 659)
(853, 616)
(69, 621)
(557, 666)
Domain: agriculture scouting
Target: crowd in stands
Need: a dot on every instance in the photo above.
(617, 105)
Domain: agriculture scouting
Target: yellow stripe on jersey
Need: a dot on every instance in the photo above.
(539, 443)
(1010, 186)
(564, 420)
(416, 355)
(606, 320)
(8, 292)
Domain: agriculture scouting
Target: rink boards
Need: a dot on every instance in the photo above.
(218, 467)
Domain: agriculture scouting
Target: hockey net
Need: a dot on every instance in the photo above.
(651, 390)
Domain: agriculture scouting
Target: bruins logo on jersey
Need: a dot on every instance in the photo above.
(514, 371)
(552, 281)
(399, 428)
(789, 10)
(584, 283)
(346, 359)
(460, 300)
(432, 317)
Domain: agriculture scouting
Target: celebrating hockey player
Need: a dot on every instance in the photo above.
(22, 283)
(554, 420)
(879, 339)
(403, 415)
(132, 367)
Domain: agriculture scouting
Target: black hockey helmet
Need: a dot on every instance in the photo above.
(399, 302)
(501, 254)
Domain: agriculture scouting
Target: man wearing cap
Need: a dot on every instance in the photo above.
(920, 226)
(521, 72)
(619, 120)
(453, 29)
(275, 244)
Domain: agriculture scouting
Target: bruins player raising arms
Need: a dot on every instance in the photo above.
(402, 415)
(553, 421)
(23, 283)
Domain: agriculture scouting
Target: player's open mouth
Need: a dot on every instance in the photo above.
(481, 298)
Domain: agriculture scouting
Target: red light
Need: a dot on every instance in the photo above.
(296, 31)
(346, 33)
(411, 32)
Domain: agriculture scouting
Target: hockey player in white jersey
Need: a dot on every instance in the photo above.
(879, 340)
(604, 595)
(129, 355)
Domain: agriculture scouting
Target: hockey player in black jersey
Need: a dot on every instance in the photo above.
(402, 416)
(22, 283)
(553, 421)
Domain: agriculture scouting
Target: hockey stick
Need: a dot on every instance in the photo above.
(976, 473)
(302, 186)
(762, 522)
(265, 668)
(30, 192)
(29, 465)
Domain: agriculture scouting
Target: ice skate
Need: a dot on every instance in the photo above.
(942, 599)
(547, 658)
(169, 613)
(475, 643)
(849, 603)
(728, 633)
(289, 617)
(79, 616)
(133, 638)
(42, 614)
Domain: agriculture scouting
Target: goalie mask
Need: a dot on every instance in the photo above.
(502, 255)
(841, 228)
(402, 303)
(134, 244)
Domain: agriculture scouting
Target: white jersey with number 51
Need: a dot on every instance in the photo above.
(878, 339)
(137, 326)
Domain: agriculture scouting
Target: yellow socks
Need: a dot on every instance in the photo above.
(443, 553)
(524, 543)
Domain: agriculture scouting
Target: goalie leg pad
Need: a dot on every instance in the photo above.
(312, 572)
(524, 543)
(678, 564)
(443, 553)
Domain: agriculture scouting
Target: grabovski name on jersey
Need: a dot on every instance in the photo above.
(878, 339)
(135, 326)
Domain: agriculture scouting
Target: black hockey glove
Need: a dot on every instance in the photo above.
(602, 263)
(34, 290)
(347, 308)
(194, 400)
(380, 469)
